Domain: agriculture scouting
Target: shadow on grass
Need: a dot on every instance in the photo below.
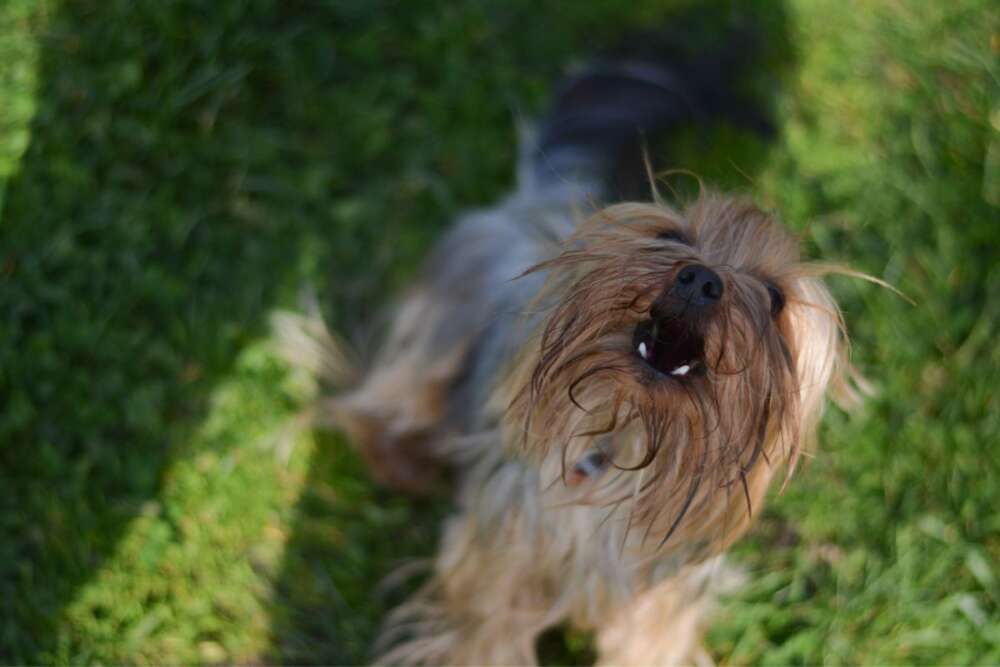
(180, 179)
(191, 166)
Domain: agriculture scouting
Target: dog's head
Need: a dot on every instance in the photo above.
(685, 357)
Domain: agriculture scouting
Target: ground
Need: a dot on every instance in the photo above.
(171, 172)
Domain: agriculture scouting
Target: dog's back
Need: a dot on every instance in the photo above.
(470, 308)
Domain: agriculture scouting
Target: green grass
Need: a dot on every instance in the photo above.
(170, 172)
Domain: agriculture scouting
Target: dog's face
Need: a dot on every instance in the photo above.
(686, 356)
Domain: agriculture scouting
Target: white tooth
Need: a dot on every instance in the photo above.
(681, 370)
(642, 351)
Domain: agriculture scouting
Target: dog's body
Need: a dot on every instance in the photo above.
(615, 395)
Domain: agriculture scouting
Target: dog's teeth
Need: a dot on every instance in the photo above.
(681, 370)
(642, 351)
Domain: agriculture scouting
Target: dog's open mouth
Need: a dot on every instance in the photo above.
(671, 346)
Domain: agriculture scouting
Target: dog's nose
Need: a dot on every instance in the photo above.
(699, 285)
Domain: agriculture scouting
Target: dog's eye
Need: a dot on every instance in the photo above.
(777, 299)
(672, 235)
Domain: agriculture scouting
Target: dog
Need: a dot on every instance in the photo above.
(614, 385)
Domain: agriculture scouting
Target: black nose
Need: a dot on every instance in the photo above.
(699, 285)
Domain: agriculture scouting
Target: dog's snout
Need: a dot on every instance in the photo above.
(699, 285)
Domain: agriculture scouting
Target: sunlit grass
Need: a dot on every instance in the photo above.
(20, 23)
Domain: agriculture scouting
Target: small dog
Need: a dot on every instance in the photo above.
(615, 391)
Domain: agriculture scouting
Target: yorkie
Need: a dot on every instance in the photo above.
(614, 390)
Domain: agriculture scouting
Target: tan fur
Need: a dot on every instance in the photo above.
(626, 551)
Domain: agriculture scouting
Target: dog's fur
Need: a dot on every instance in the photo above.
(613, 429)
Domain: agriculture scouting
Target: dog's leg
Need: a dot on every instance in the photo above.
(481, 607)
(662, 626)
(440, 353)
(494, 588)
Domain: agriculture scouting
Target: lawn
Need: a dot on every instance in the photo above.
(171, 172)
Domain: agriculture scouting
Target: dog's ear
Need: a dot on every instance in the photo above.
(820, 345)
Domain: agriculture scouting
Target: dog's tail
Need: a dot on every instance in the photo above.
(388, 414)
(595, 130)
(305, 342)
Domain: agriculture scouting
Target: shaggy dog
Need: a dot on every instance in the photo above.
(614, 388)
